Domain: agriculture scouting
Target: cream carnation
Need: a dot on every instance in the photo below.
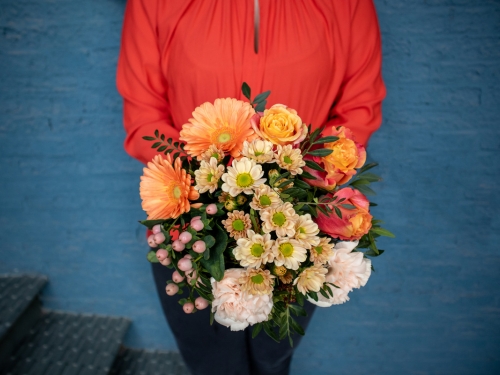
(281, 219)
(306, 231)
(237, 309)
(265, 197)
(311, 279)
(290, 158)
(347, 269)
(255, 250)
(258, 150)
(243, 176)
(289, 253)
(208, 175)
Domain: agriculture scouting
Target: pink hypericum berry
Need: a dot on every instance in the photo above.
(188, 307)
(185, 264)
(201, 303)
(178, 245)
(159, 238)
(195, 218)
(185, 237)
(212, 209)
(172, 289)
(166, 261)
(157, 229)
(197, 225)
(161, 254)
(177, 277)
(151, 241)
(199, 247)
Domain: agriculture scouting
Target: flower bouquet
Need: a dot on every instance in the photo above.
(249, 209)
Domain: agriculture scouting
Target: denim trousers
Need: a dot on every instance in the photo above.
(215, 349)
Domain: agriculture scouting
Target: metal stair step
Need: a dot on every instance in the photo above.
(144, 362)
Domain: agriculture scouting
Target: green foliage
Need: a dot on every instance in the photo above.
(215, 265)
(151, 256)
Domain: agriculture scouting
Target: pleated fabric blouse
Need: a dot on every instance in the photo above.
(320, 57)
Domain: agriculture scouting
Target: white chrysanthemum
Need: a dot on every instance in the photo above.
(255, 250)
(257, 281)
(242, 176)
(290, 158)
(208, 175)
(347, 269)
(258, 150)
(311, 279)
(289, 253)
(235, 308)
(212, 152)
(306, 231)
(265, 197)
(321, 253)
(281, 219)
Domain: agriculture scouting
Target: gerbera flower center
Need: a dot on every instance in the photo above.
(244, 180)
(279, 219)
(265, 200)
(238, 225)
(256, 250)
(257, 279)
(177, 192)
(286, 249)
(287, 159)
(224, 137)
(318, 249)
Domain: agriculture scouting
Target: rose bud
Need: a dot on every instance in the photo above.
(201, 303)
(197, 225)
(151, 241)
(157, 229)
(161, 254)
(178, 245)
(199, 247)
(188, 307)
(185, 264)
(166, 261)
(172, 289)
(159, 238)
(177, 277)
(211, 209)
(185, 237)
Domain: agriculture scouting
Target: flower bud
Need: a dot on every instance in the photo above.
(185, 264)
(211, 209)
(201, 303)
(197, 225)
(188, 307)
(178, 245)
(230, 205)
(177, 277)
(159, 238)
(240, 200)
(161, 254)
(185, 237)
(151, 241)
(172, 289)
(199, 247)
(273, 173)
(156, 229)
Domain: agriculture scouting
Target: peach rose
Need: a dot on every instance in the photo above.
(279, 125)
(347, 156)
(355, 222)
(237, 309)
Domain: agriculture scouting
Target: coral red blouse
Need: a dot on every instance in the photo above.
(320, 57)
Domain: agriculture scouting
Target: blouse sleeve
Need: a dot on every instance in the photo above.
(140, 81)
(359, 101)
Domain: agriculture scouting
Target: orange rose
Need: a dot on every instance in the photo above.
(279, 125)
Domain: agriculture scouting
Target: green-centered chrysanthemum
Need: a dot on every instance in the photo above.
(254, 250)
(289, 253)
(258, 150)
(256, 281)
(306, 231)
(290, 158)
(243, 176)
(208, 175)
(320, 253)
(311, 279)
(281, 219)
(265, 197)
(237, 224)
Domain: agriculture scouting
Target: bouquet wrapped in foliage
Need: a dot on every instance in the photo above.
(252, 210)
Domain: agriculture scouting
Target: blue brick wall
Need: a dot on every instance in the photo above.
(69, 202)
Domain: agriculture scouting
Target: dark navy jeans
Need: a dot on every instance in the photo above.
(214, 349)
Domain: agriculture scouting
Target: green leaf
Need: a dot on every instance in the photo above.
(151, 223)
(209, 241)
(152, 257)
(300, 298)
(157, 133)
(313, 165)
(246, 90)
(338, 212)
(211, 317)
(322, 209)
(323, 293)
(176, 155)
(348, 206)
(382, 232)
(268, 329)
(301, 184)
(320, 152)
(256, 330)
(308, 176)
(367, 167)
(297, 310)
(215, 264)
(328, 139)
(296, 192)
(372, 253)
(296, 327)
(162, 148)
(149, 138)
(285, 183)
(370, 177)
(156, 144)
(313, 295)
(260, 107)
(360, 182)
(261, 97)
(365, 190)
(162, 137)
(314, 135)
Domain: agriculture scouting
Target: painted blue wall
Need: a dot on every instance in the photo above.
(69, 194)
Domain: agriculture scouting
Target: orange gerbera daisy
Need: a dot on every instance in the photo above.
(225, 124)
(166, 189)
